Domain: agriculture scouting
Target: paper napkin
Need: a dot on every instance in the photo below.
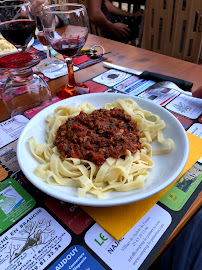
(118, 220)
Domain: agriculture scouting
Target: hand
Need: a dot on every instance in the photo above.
(37, 6)
(138, 13)
(120, 30)
(197, 93)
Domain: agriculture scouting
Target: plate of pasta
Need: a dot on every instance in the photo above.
(102, 149)
(6, 47)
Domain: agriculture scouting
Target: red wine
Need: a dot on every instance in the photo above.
(42, 39)
(68, 47)
(18, 32)
(19, 61)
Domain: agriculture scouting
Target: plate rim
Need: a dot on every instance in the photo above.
(103, 202)
(8, 53)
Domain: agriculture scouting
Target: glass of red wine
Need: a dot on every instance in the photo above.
(15, 27)
(66, 28)
(23, 88)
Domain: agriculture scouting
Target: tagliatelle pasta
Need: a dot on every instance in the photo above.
(5, 46)
(126, 173)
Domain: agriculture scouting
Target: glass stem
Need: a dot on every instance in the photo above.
(48, 54)
(70, 66)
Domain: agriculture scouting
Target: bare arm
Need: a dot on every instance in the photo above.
(98, 18)
(96, 15)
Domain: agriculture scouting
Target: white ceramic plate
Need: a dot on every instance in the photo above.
(166, 167)
(7, 53)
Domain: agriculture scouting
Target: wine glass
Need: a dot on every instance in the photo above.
(66, 28)
(53, 64)
(14, 26)
(23, 88)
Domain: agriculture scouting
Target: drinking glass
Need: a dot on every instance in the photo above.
(23, 88)
(52, 63)
(66, 28)
(14, 26)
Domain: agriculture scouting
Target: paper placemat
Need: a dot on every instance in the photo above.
(118, 220)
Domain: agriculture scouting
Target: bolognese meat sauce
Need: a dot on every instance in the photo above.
(98, 135)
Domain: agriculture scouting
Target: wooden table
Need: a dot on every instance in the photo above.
(138, 59)
(132, 57)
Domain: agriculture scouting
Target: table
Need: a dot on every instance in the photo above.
(139, 59)
(132, 57)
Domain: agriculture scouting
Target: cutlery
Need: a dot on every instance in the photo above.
(148, 75)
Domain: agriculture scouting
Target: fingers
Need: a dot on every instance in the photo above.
(138, 13)
(125, 33)
(121, 30)
(37, 5)
(197, 93)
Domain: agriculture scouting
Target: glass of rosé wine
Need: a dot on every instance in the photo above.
(66, 29)
(53, 64)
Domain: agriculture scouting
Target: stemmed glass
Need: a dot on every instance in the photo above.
(52, 63)
(14, 26)
(66, 29)
(23, 88)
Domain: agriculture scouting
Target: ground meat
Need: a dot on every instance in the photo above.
(97, 136)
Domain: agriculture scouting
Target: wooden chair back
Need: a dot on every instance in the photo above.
(129, 5)
(173, 28)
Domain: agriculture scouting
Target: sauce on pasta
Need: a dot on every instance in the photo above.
(98, 136)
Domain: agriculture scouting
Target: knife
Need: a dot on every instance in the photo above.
(157, 77)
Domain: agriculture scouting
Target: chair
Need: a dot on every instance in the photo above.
(129, 5)
(173, 28)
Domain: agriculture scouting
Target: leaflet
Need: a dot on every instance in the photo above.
(10, 129)
(135, 246)
(33, 243)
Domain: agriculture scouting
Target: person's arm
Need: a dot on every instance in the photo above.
(117, 11)
(97, 17)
